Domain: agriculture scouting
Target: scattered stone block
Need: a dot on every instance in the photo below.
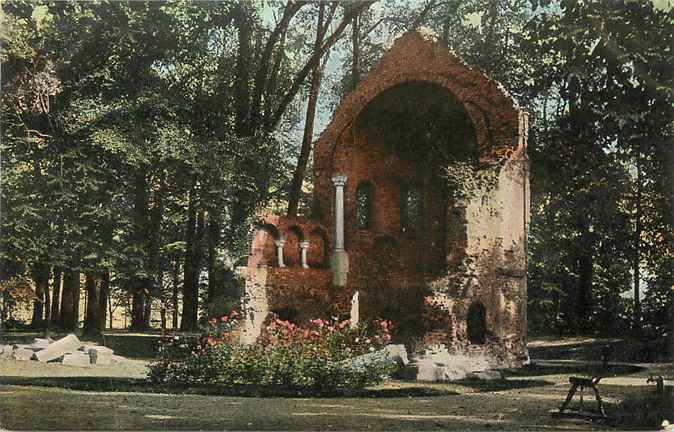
(62, 346)
(87, 346)
(6, 351)
(41, 343)
(27, 346)
(441, 365)
(100, 355)
(23, 354)
(76, 358)
(428, 370)
(487, 375)
(394, 354)
(398, 353)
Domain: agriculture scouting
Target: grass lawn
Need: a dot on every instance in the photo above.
(56, 397)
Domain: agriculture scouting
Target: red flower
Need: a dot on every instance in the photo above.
(224, 318)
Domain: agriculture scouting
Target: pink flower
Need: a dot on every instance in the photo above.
(224, 318)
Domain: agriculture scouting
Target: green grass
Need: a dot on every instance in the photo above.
(55, 398)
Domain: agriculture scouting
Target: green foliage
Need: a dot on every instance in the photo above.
(465, 181)
(117, 134)
(597, 147)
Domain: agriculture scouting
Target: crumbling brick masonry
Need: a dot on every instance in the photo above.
(420, 209)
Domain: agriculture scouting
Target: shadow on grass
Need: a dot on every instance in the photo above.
(645, 350)
(115, 384)
(561, 368)
(502, 385)
(645, 409)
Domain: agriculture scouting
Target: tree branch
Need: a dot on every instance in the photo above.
(261, 77)
(422, 15)
(301, 76)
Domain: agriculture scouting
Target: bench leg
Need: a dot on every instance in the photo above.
(568, 398)
(581, 399)
(599, 402)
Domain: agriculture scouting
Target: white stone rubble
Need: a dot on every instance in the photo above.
(68, 350)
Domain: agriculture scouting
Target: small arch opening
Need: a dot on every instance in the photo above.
(286, 314)
(476, 324)
(263, 246)
(291, 247)
(317, 254)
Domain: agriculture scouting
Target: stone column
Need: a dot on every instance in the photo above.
(339, 260)
(304, 245)
(279, 251)
(339, 180)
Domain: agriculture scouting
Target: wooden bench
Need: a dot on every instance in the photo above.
(585, 382)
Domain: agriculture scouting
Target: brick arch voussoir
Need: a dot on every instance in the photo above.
(493, 115)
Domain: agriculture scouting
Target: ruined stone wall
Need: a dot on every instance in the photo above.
(496, 225)
(469, 255)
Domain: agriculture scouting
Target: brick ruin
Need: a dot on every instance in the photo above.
(420, 209)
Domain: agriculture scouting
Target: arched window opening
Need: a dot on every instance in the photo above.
(263, 247)
(286, 314)
(317, 255)
(364, 193)
(411, 210)
(291, 247)
(476, 325)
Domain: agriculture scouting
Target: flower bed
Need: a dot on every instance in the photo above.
(317, 356)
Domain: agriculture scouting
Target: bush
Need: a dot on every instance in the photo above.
(317, 356)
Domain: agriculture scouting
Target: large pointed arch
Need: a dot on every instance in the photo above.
(499, 123)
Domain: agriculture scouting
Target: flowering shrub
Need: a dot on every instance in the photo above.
(317, 356)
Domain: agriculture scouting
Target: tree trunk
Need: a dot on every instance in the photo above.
(194, 234)
(174, 297)
(47, 303)
(92, 322)
(40, 275)
(583, 292)
(104, 297)
(76, 301)
(153, 245)
(636, 326)
(71, 285)
(56, 298)
(243, 67)
(147, 312)
(138, 284)
(298, 176)
(263, 77)
(315, 58)
(138, 308)
(355, 48)
(213, 241)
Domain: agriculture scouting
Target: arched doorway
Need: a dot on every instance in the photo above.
(476, 323)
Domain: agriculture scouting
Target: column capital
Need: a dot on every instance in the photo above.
(280, 242)
(304, 244)
(339, 179)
